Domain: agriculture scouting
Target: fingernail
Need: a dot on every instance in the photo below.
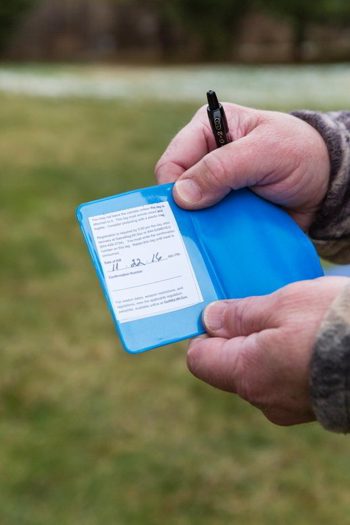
(188, 191)
(213, 316)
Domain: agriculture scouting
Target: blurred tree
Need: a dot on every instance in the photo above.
(214, 23)
(212, 27)
(303, 13)
(168, 23)
(11, 12)
(336, 10)
(300, 13)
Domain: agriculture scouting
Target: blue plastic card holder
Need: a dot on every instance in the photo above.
(160, 265)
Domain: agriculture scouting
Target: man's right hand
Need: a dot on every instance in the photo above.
(278, 156)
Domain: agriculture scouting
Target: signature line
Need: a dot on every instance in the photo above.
(147, 284)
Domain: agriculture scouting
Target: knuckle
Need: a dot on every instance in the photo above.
(239, 316)
(246, 386)
(254, 380)
(161, 166)
(214, 173)
(248, 316)
(193, 358)
(201, 112)
(167, 170)
(158, 168)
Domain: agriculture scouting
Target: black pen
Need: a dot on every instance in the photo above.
(218, 120)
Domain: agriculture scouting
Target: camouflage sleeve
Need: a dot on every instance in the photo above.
(330, 230)
(330, 367)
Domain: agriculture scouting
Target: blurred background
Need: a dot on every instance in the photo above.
(90, 94)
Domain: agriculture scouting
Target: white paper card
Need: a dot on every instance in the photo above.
(145, 262)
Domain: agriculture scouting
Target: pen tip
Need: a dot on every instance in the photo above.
(212, 100)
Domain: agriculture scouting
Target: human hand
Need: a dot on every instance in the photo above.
(260, 348)
(279, 156)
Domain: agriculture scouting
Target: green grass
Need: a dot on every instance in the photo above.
(88, 434)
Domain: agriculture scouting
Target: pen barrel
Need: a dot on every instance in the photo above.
(219, 126)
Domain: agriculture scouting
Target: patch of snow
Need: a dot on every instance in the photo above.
(255, 86)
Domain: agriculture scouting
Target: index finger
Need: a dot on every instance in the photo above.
(216, 360)
(191, 144)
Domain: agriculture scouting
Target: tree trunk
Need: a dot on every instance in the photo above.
(167, 42)
(219, 46)
(300, 26)
(216, 49)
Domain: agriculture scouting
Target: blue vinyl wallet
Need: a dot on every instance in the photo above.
(160, 265)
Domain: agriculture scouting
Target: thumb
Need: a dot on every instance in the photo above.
(236, 165)
(240, 317)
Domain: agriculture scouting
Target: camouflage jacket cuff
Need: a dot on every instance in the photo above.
(330, 367)
(330, 230)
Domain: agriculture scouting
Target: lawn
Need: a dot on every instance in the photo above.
(88, 434)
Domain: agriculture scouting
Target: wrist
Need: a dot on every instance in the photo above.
(320, 153)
